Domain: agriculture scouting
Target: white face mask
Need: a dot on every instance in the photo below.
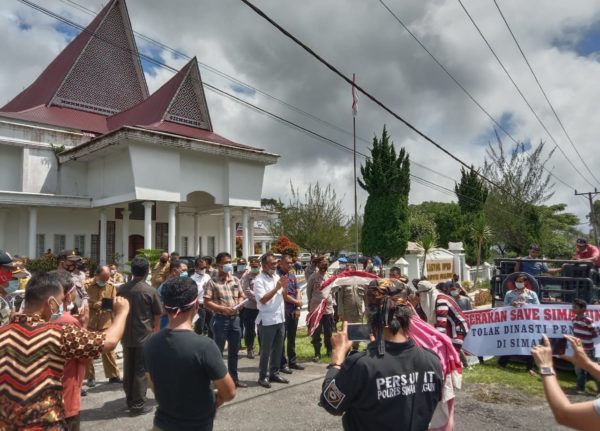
(454, 292)
(520, 285)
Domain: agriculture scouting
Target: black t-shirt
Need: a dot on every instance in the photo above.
(182, 365)
(144, 305)
(398, 391)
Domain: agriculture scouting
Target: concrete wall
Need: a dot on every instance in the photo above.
(245, 183)
(110, 176)
(10, 168)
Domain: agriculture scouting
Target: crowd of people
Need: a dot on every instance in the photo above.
(173, 321)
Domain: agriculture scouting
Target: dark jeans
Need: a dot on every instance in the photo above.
(582, 375)
(271, 346)
(134, 376)
(72, 423)
(227, 328)
(326, 326)
(503, 360)
(291, 327)
(250, 327)
(242, 314)
(202, 325)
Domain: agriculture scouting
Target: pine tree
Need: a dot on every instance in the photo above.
(386, 177)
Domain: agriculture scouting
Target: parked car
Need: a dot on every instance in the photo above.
(304, 259)
(351, 258)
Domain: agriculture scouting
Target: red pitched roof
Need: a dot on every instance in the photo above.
(98, 72)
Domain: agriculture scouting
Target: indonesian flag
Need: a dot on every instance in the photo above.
(354, 96)
(346, 278)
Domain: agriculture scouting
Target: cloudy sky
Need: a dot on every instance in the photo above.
(561, 40)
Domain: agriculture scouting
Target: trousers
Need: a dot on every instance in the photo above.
(227, 328)
(109, 362)
(271, 346)
(134, 376)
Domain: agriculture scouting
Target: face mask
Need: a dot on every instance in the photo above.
(241, 268)
(201, 271)
(163, 260)
(13, 286)
(183, 274)
(520, 285)
(342, 266)
(101, 283)
(270, 271)
(454, 293)
(254, 270)
(58, 313)
(70, 307)
(71, 268)
(228, 267)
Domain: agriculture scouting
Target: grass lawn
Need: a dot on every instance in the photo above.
(515, 376)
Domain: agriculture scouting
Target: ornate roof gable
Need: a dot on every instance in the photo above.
(99, 71)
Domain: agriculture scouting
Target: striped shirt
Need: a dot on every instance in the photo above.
(449, 319)
(583, 329)
(32, 357)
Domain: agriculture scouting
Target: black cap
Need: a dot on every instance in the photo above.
(581, 241)
(534, 247)
(69, 254)
(5, 258)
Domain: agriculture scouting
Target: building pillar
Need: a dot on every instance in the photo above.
(245, 234)
(172, 227)
(233, 237)
(196, 242)
(263, 247)
(33, 233)
(125, 236)
(2, 227)
(148, 224)
(227, 229)
(103, 236)
(251, 235)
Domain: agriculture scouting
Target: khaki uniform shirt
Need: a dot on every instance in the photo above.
(350, 301)
(100, 319)
(159, 273)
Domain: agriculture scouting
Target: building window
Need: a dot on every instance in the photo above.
(40, 244)
(210, 246)
(60, 243)
(95, 247)
(162, 236)
(79, 243)
(110, 240)
(184, 245)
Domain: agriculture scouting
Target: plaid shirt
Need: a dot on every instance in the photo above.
(227, 293)
(33, 353)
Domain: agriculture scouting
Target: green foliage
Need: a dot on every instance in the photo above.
(426, 241)
(472, 195)
(152, 254)
(559, 230)
(480, 233)
(315, 220)
(351, 234)
(386, 177)
(43, 263)
(447, 219)
(420, 224)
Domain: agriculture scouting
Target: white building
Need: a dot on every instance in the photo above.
(89, 159)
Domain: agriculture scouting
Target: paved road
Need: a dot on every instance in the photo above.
(294, 406)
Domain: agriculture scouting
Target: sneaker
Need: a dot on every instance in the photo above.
(316, 359)
(91, 383)
(250, 354)
(137, 411)
(83, 392)
(580, 392)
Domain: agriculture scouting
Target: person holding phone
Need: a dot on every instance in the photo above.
(583, 329)
(581, 416)
(394, 384)
(102, 294)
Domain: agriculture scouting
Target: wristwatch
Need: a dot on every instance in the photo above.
(547, 371)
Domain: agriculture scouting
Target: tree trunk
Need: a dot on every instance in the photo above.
(478, 263)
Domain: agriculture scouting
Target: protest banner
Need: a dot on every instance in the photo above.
(515, 330)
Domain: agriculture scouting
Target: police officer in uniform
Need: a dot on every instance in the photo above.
(394, 384)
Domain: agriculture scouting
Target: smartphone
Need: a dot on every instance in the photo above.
(359, 332)
(558, 345)
(107, 304)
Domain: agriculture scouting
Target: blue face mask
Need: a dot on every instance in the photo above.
(228, 267)
(241, 268)
(58, 313)
(183, 274)
(101, 283)
(13, 286)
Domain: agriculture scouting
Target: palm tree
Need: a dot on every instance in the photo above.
(480, 233)
(427, 242)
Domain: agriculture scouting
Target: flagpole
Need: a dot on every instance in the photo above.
(354, 110)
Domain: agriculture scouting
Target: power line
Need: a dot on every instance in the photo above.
(369, 95)
(543, 92)
(289, 123)
(231, 96)
(520, 92)
(461, 86)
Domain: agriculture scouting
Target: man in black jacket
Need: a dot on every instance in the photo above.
(394, 384)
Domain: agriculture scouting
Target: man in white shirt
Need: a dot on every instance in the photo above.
(269, 292)
(201, 278)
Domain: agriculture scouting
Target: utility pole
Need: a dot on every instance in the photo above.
(590, 196)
